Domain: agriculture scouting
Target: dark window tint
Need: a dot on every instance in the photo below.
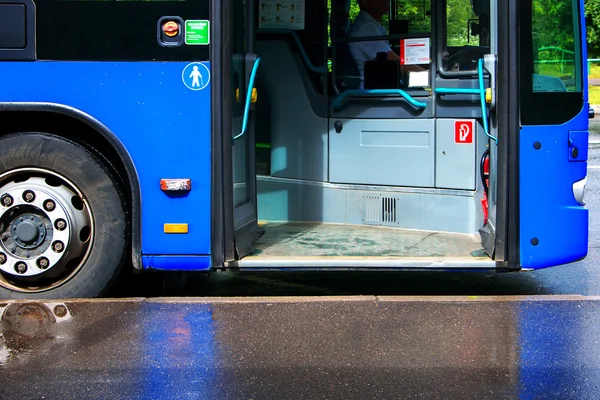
(113, 30)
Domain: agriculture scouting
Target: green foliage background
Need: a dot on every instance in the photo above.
(592, 19)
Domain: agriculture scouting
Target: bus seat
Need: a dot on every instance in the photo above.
(382, 73)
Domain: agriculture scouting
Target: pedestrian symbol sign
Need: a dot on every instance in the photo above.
(197, 32)
(196, 76)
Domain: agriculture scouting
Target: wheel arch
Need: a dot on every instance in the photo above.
(74, 124)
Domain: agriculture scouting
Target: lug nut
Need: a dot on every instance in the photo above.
(60, 311)
(49, 205)
(21, 267)
(58, 247)
(7, 200)
(60, 224)
(2, 258)
(28, 196)
(43, 263)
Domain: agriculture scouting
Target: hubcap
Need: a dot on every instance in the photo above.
(28, 231)
(46, 228)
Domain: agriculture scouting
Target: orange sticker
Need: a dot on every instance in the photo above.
(171, 28)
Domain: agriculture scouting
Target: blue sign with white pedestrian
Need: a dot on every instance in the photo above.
(196, 76)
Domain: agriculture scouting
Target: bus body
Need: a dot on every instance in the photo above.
(180, 135)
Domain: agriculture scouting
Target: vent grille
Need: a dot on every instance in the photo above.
(372, 210)
(388, 215)
(380, 210)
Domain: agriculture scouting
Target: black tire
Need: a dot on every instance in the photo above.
(105, 198)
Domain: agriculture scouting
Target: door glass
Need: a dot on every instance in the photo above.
(238, 84)
(555, 46)
(550, 62)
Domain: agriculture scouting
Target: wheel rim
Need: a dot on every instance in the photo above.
(46, 230)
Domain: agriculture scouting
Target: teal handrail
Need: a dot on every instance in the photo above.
(480, 91)
(248, 99)
(337, 103)
(482, 99)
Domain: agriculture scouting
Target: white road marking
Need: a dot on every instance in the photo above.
(593, 166)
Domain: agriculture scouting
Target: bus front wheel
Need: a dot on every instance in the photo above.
(62, 220)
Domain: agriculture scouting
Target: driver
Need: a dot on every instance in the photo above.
(367, 24)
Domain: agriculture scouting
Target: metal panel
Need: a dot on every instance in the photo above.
(152, 113)
(383, 152)
(293, 200)
(553, 226)
(17, 30)
(408, 208)
(358, 263)
(12, 26)
(455, 165)
(298, 135)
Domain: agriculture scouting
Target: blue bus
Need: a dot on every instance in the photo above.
(250, 135)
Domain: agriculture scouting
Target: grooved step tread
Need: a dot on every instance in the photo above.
(318, 239)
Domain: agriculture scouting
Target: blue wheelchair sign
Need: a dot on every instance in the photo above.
(196, 76)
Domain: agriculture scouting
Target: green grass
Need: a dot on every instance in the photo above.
(594, 71)
(594, 94)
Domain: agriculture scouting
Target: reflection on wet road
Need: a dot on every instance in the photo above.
(285, 348)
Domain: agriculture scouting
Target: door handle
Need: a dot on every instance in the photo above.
(249, 95)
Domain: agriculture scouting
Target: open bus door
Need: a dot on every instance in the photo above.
(235, 68)
(553, 139)
(500, 236)
(537, 215)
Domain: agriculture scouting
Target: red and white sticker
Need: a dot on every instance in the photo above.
(414, 51)
(463, 132)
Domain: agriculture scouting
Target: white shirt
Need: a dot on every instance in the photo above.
(366, 25)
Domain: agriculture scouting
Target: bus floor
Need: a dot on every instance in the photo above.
(285, 239)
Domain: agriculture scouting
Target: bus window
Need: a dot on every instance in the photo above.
(555, 55)
(551, 63)
(406, 29)
(129, 36)
(467, 34)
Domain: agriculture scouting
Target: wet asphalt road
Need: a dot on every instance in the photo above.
(582, 278)
(358, 348)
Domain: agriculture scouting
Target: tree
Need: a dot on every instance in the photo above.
(592, 20)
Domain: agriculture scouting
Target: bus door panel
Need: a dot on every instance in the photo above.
(554, 221)
(238, 94)
(553, 140)
(247, 231)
